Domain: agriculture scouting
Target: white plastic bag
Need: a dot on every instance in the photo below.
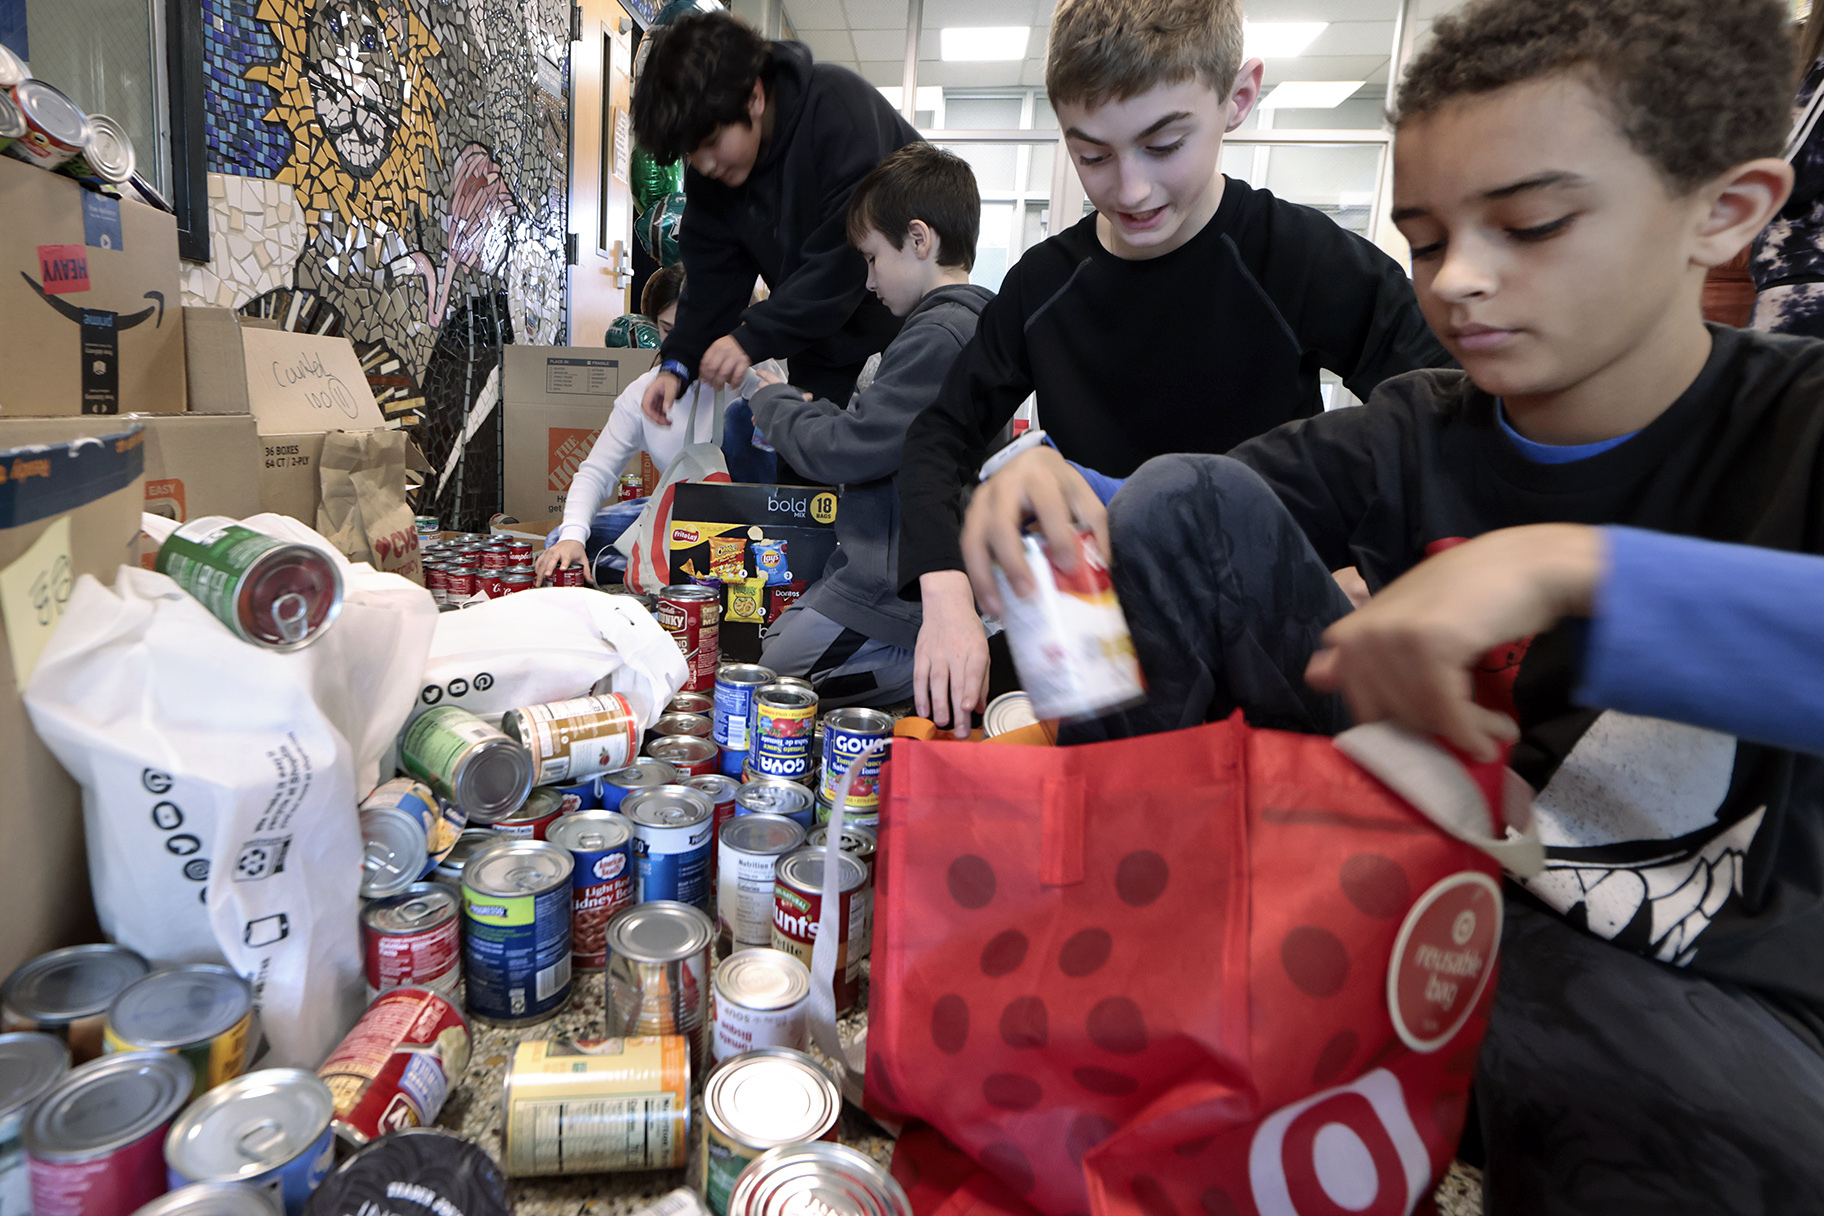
(220, 779)
(647, 544)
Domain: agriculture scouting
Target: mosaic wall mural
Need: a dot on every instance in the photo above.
(395, 171)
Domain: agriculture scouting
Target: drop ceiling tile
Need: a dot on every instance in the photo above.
(816, 15)
(876, 14)
(829, 46)
(880, 44)
(1354, 38)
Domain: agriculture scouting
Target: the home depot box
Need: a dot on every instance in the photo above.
(555, 401)
(196, 464)
(88, 301)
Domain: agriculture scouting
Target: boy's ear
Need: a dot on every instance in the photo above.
(756, 101)
(1741, 202)
(1245, 93)
(923, 239)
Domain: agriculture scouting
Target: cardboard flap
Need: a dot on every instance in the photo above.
(302, 383)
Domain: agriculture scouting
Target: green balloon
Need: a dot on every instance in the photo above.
(633, 329)
(652, 180)
(658, 229)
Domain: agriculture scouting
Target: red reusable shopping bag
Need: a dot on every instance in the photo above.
(1215, 971)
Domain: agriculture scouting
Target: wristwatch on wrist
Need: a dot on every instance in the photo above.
(680, 371)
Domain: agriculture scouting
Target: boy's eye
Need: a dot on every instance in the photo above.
(1542, 232)
(1085, 158)
(1422, 252)
(1170, 148)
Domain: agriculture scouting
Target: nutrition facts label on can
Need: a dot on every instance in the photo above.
(585, 1135)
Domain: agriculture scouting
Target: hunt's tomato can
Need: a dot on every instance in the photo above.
(798, 909)
(394, 1069)
(693, 617)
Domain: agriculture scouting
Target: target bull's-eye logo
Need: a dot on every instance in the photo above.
(1349, 1149)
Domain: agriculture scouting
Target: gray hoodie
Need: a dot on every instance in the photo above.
(857, 448)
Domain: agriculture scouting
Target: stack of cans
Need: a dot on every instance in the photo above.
(42, 127)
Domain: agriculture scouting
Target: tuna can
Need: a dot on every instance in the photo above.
(413, 940)
(569, 576)
(644, 773)
(271, 592)
(395, 1067)
(721, 791)
(533, 820)
(693, 618)
(787, 1180)
(659, 973)
(798, 909)
(475, 766)
(95, 1142)
(516, 951)
(691, 756)
(857, 842)
(585, 795)
(1070, 640)
(268, 1130)
(12, 122)
(733, 713)
(393, 854)
(55, 127)
(30, 1063)
(759, 1101)
(601, 884)
(212, 1199)
(578, 738)
(750, 847)
(846, 732)
(673, 829)
(1008, 712)
(784, 718)
(201, 1012)
(471, 842)
(106, 156)
(586, 1106)
(776, 796)
(695, 725)
(443, 823)
(441, 1173)
(760, 999)
(66, 994)
(691, 703)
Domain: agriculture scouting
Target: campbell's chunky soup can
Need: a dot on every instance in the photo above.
(693, 617)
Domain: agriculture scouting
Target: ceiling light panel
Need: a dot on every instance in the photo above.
(1310, 94)
(985, 43)
(1279, 39)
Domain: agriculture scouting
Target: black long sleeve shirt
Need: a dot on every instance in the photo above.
(1195, 351)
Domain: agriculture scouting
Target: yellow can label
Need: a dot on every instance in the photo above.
(222, 1058)
(591, 1105)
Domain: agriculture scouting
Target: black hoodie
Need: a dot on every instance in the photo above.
(785, 224)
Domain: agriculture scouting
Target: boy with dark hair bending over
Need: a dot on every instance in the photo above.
(1566, 171)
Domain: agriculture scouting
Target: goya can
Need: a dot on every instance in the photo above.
(776, 796)
(393, 852)
(846, 733)
(673, 829)
(721, 790)
(659, 973)
(55, 127)
(95, 1142)
(733, 711)
(760, 999)
(601, 882)
(578, 738)
(201, 1012)
(268, 1130)
(449, 870)
(533, 820)
(691, 703)
(688, 754)
(486, 774)
(211, 1199)
(750, 847)
(785, 717)
(798, 909)
(106, 156)
(66, 993)
(586, 1106)
(271, 592)
(516, 951)
(413, 939)
(443, 822)
(779, 1181)
(30, 1063)
(395, 1067)
(643, 774)
(693, 617)
(1069, 640)
(760, 1101)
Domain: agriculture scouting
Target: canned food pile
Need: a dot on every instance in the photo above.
(41, 126)
(458, 568)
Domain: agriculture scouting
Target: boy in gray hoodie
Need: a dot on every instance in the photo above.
(914, 219)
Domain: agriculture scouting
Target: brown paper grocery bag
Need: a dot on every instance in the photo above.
(364, 512)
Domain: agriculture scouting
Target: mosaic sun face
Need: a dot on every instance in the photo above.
(355, 82)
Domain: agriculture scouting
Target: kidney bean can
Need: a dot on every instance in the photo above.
(95, 1142)
(846, 733)
(673, 838)
(395, 1067)
(798, 909)
(759, 1101)
(693, 617)
(201, 1012)
(733, 711)
(269, 1130)
(784, 719)
(759, 1000)
(601, 884)
(577, 738)
(413, 939)
(584, 1106)
(66, 993)
(517, 901)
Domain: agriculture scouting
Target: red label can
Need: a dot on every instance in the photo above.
(516, 578)
(462, 582)
(468, 559)
(798, 909)
(693, 617)
(496, 557)
(413, 938)
(520, 551)
(437, 580)
(119, 1182)
(491, 582)
(395, 1068)
(532, 820)
(568, 576)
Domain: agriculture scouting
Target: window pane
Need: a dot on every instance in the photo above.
(994, 165)
(100, 53)
(1044, 118)
(992, 252)
(1339, 181)
(1038, 173)
(1037, 225)
(981, 113)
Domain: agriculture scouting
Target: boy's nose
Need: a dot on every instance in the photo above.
(1463, 276)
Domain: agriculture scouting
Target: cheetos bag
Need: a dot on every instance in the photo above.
(1215, 971)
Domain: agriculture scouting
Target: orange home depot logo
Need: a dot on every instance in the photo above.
(569, 447)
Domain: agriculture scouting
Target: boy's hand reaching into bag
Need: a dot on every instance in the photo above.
(1038, 484)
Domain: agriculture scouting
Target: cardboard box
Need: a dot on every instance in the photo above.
(303, 383)
(569, 375)
(215, 367)
(88, 301)
(44, 869)
(195, 464)
(556, 400)
(290, 482)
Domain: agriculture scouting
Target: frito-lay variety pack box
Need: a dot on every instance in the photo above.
(764, 544)
(555, 401)
(88, 301)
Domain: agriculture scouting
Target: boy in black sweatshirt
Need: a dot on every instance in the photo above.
(1566, 172)
(776, 144)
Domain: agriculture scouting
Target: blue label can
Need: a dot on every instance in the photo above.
(643, 774)
(785, 716)
(269, 1130)
(733, 716)
(846, 732)
(583, 796)
(777, 796)
(674, 841)
(516, 905)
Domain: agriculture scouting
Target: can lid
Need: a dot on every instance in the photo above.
(676, 723)
(773, 796)
(471, 842)
(643, 773)
(1009, 711)
(663, 931)
(423, 905)
(109, 150)
(787, 696)
(30, 1063)
(763, 834)
(829, 1179)
(248, 1125)
(668, 806)
(211, 1199)
(394, 853)
(775, 1096)
(47, 106)
(719, 786)
(763, 978)
(796, 682)
(692, 703)
(860, 721)
(541, 803)
(804, 870)
(590, 831)
(493, 779)
(680, 749)
(75, 982)
(745, 673)
(449, 1173)
(687, 591)
(512, 866)
(180, 1006)
(106, 1104)
(856, 841)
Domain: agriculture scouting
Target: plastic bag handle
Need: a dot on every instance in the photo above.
(848, 1064)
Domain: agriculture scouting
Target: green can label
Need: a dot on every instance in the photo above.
(724, 1164)
(209, 557)
(437, 741)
